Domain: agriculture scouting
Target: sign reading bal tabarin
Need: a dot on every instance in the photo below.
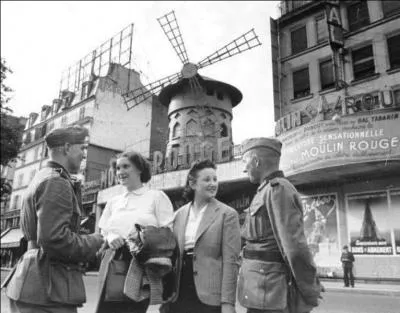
(353, 139)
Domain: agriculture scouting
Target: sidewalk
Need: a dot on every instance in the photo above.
(363, 288)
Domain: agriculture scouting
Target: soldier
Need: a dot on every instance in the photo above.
(278, 273)
(48, 278)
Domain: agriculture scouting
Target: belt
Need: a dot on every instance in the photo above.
(267, 256)
(189, 252)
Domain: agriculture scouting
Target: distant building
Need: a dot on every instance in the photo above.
(336, 74)
(99, 107)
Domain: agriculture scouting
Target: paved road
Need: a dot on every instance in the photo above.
(334, 302)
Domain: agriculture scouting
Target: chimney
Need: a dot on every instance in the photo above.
(67, 97)
(87, 87)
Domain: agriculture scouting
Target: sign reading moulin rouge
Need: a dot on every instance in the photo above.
(353, 139)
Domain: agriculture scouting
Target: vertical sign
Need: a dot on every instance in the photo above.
(335, 28)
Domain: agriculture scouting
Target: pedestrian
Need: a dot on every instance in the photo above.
(347, 260)
(275, 250)
(48, 278)
(208, 236)
(137, 205)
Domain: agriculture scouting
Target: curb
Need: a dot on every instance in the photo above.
(377, 292)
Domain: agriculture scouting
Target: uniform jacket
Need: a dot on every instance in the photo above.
(347, 259)
(50, 273)
(216, 252)
(278, 203)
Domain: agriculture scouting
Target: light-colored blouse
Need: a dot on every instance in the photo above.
(141, 206)
(192, 226)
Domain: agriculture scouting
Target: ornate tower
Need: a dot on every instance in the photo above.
(200, 117)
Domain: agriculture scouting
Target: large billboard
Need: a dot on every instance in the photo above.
(351, 139)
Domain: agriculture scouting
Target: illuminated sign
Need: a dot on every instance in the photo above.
(352, 139)
(366, 102)
(335, 28)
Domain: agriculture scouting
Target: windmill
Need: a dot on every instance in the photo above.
(202, 116)
(189, 71)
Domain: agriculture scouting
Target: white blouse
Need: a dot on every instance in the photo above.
(192, 226)
(142, 206)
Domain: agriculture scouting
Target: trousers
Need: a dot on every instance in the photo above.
(348, 276)
(20, 307)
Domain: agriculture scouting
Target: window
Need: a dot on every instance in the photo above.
(209, 91)
(23, 159)
(322, 28)
(390, 7)
(81, 113)
(301, 83)
(299, 39)
(176, 131)
(191, 128)
(220, 96)
(50, 126)
(326, 74)
(357, 15)
(38, 133)
(33, 172)
(363, 62)
(16, 202)
(36, 156)
(394, 51)
(223, 131)
(396, 94)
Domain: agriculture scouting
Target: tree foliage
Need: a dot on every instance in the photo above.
(11, 126)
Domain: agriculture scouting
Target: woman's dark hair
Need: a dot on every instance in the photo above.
(140, 162)
(188, 192)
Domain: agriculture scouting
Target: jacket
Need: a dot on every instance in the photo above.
(50, 272)
(215, 254)
(276, 209)
(347, 259)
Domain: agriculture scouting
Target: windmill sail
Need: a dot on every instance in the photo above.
(138, 95)
(245, 42)
(170, 26)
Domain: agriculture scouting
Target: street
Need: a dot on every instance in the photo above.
(334, 302)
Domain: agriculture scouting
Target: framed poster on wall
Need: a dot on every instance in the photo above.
(321, 228)
(369, 223)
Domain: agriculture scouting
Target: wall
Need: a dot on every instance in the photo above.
(98, 160)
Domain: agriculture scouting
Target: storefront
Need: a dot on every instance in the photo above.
(348, 172)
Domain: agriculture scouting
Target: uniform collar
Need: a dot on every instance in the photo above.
(138, 192)
(268, 178)
(61, 169)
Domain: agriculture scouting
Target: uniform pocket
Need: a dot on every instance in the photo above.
(262, 285)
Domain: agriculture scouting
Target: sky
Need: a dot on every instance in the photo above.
(39, 40)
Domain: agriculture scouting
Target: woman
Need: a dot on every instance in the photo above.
(137, 205)
(208, 236)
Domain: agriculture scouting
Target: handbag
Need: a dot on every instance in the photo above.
(115, 271)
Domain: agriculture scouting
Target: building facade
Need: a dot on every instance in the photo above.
(98, 105)
(336, 73)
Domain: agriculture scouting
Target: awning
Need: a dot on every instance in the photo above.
(11, 239)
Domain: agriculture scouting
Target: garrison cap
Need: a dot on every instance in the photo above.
(71, 134)
(262, 142)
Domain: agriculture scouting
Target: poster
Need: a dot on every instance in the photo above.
(395, 210)
(321, 229)
(369, 224)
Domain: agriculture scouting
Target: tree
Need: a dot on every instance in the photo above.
(11, 126)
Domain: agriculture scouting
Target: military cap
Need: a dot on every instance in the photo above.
(71, 134)
(262, 142)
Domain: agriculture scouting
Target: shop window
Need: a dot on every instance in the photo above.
(396, 94)
(301, 83)
(363, 62)
(326, 74)
(357, 15)
(321, 28)
(390, 7)
(191, 128)
(299, 39)
(176, 131)
(394, 51)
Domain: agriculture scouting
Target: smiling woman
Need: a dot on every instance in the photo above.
(138, 205)
(209, 243)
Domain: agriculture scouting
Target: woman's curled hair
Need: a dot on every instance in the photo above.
(140, 162)
(188, 192)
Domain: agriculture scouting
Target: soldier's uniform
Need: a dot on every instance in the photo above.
(48, 278)
(276, 259)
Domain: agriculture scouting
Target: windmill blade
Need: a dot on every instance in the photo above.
(245, 42)
(136, 96)
(170, 26)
